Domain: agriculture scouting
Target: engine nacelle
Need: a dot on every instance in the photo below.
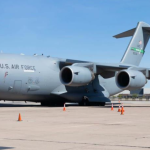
(76, 76)
(130, 79)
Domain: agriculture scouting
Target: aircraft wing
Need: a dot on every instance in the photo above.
(107, 70)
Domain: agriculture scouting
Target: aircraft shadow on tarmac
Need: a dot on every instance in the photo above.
(3, 148)
(67, 105)
(11, 104)
(30, 105)
(18, 105)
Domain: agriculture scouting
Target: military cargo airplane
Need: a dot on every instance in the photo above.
(54, 81)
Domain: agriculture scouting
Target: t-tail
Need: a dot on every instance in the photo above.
(137, 45)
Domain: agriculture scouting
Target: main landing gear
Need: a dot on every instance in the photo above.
(85, 102)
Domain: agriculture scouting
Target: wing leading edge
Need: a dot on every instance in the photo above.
(107, 70)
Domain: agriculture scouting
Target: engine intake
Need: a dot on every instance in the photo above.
(130, 79)
(76, 76)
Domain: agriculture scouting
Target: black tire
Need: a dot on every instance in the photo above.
(102, 104)
(43, 103)
(84, 102)
(60, 104)
(81, 104)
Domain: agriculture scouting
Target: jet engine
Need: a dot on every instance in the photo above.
(76, 76)
(130, 79)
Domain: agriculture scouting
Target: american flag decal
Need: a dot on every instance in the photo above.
(140, 42)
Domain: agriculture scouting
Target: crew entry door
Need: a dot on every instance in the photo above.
(17, 86)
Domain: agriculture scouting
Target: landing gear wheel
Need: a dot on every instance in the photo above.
(60, 104)
(102, 104)
(44, 103)
(85, 102)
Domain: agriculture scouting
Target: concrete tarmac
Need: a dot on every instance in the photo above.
(78, 128)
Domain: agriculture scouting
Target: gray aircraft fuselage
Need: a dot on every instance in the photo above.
(36, 78)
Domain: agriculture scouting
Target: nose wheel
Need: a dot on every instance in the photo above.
(84, 102)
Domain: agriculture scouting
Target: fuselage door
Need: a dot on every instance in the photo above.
(17, 86)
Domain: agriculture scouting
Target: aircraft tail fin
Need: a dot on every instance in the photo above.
(137, 45)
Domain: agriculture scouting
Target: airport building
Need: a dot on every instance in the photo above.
(144, 92)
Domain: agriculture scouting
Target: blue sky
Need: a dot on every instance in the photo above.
(75, 29)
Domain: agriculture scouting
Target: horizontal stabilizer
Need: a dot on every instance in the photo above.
(125, 34)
